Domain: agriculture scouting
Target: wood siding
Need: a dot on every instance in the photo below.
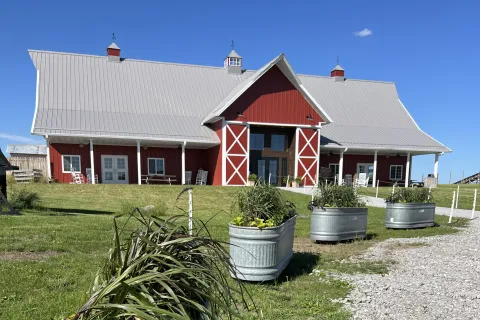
(29, 161)
(273, 99)
(194, 159)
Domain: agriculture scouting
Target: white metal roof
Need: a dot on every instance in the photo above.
(85, 95)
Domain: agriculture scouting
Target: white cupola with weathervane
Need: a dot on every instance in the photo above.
(233, 62)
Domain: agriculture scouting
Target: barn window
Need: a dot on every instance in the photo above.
(278, 142)
(235, 62)
(396, 172)
(71, 163)
(335, 167)
(156, 166)
(257, 141)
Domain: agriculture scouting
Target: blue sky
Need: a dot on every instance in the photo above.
(431, 52)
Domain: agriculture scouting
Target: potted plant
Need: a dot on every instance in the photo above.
(261, 234)
(296, 182)
(252, 179)
(409, 208)
(338, 214)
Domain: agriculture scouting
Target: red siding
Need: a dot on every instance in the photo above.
(337, 73)
(194, 159)
(113, 52)
(214, 157)
(236, 145)
(273, 99)
(307, 155)
(383, 164)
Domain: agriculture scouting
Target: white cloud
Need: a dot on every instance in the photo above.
(364, 33)
(15, 138)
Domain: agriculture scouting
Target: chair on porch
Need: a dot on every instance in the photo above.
(362, 180)
(198, 179)
(348, 180)
(188, 177)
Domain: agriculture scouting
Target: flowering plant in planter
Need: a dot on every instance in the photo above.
(262, 217)
(409, 208)
(261, 206)
(338, 214)
(252, 179)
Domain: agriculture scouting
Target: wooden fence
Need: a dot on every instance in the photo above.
(31, 175)
(29, 162)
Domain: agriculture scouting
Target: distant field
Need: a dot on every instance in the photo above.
(442, 195)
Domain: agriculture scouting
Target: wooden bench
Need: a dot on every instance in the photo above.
(155, 178)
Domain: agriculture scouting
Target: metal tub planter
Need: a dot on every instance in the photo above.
(410, 215)
(261, 254)
(337, 224)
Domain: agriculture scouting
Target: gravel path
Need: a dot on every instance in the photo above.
(434, 278)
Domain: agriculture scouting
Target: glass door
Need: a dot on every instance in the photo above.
(115, 169)
(366, 168)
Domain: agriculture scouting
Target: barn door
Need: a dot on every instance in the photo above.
(236, 155)
(308, 151)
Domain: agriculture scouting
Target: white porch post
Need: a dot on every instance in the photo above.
(340, 169)
(139, 164)
(92, 164)
(374, 182)
(317, 178)
(49, 169)
(183, 161)
(407, 171)
(435, 167)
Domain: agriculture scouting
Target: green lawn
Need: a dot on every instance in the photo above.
(442, 195)
(49, 257)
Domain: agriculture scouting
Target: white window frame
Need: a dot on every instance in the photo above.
(390, 172)
(79, 162)
(236, 62)
(148, 166)
(330, 165)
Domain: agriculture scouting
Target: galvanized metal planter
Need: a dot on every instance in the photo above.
(409, 215)
(261, 255)
(337, 224)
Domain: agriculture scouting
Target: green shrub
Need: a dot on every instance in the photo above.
(10, 180)
(252, 177)
(332, 195)
(22, 198)
(410, 195)
(261, 206)
(161, 272)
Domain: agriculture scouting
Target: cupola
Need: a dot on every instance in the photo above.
(233, 62)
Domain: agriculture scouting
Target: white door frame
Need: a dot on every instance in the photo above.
(366, 165)
(114, 169)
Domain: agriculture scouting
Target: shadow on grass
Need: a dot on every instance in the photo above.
(370, 236)
(68, 211)
(301, 263)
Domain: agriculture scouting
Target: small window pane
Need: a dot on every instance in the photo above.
(120, 163)
(396, 172)
(160, 169)
(121, 176)
(278, 142)
(256, 141)
(66, 163)
(335, 167)
(108, 163)
(151, 166)
(109, 176)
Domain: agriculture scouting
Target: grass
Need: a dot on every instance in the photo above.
(442, 195)
(49, 256)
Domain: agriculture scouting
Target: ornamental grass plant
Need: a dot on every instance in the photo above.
(159, 271)
(335, 196)
(410, 195)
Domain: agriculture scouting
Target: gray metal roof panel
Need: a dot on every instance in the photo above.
(86, 94)
(34, 149)
(233, 54)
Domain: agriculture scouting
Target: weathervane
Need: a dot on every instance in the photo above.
(338, 60)
(113, 37)
(233, 45)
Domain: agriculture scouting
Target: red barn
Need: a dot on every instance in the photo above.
(123, 119)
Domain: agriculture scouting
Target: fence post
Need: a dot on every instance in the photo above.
(451, 209)
(269, 176)
(190, 211)
(458, 193)
(393, 189)
(288, 180)
(429, 192)
(474, 203)
(376, 195)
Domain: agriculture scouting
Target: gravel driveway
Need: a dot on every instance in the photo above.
(434, 278)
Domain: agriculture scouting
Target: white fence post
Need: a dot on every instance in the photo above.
(393, 189)
(376, 194)
(458, 193)
(451, 210)
(269, 177)
(429, 192)
(190, 211)
(288, 180)
(474, 203)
